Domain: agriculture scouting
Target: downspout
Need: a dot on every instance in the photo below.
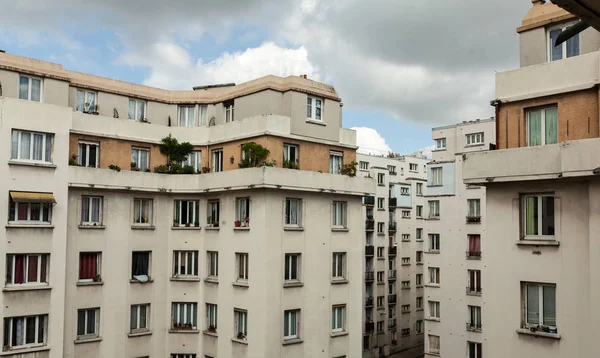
(496, 104)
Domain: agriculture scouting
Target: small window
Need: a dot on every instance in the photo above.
(213, 264)
(475, 138)
(91, 210)
(419, 234)
(434, 242)
(338, 318)
(140, 159)
(474, 249)
(86, 101)
(140, 265)
(140, 315)
(137, 110)
(405, 284)
(242, 212)
(419, 188)
(413, 167)
(440, 143)
(434, 310)
(404, 190)
(211, 317)
(142, 212)
(567, 49)
(405, 332)
(240, 323)
(434, 344)
(434, 209)
(405, 308)
(380, 327)
(363, 165)
(194, 160)
(229, 111)
(313, 108)
(30, 88)
(214, 208)
(203, 118)
(474, 282)
(406, 261)
(339, 214)
(88, 323)
(217, 160)
(419, 301)
(338, 271)
(184, 316)
(25, 332)
(336, 159)
(380, 252)
(186, 213)
(419, 257)
(391, 169)
(90, 266)
(539, 301)
(186, 116)
(27, 269)
(405, 237)
(379, 276)
(380, 203)
(542, 126)
(293, 212)
(88, 153)
(434, 275)
(419, 280)
(474, 323)
(185, 263)
(290, 155)
(380, 227)
(241, 264)
(419, 211)
(405, 214)
(474, 350)
(292, 268)
(291, 324)
(31, 146)
(380, 178)
(437, 176)
(380, 301)
(419, 326)
(474, 208)
(538, 216)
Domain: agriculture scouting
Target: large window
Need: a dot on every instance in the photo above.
(31, 146)
(291, 324)
(290, 154)
(475, 138)
(336, 159)
(139, 318)
(184, 315)
(213, 264)
(211, 317)
(86, 101)
(142, 211)
(293, 212)
(338, 318)
(89, 266)
(538, 216)
(339, 214)
(217, 160)
(214, 211)
(194, 160)
(242, 212)
(313, 108)
(22, 212)
(542, 126)
(185, 263)
(140, 159)
(140, 265)
(240, 323)
(91, 210)
(27, 269)
(569, 48)
(186, 213)
(540, 305)
(30, 88)
(292, 268)
(88, 153)
(137, 110)
(241, 263)
(437, 176)
(25, 332)
(88, 323)
(186, 116)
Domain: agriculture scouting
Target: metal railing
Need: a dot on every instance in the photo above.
(392, 250)
(473, 326)
(474, 254)
(369, 275)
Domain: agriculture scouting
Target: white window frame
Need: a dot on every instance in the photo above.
(476, 277)
(475, 313)
(17, 139)
(86, 334)
(137, 310)
(136, 114)
(98, 266)
(292, 260)
(194, 159)
(440, 143)
(474, 207)
(91, 202)
(242, 211)
(192, 207)
(213, 264)
(213, 213)
(404, 190)
(217, 160)
(380, 178)
(419, 211)
(437, 176)
(405, 237)
(288, 207)
(339, 212)
(434, 276)
(434, 209)
(29, 87)
(550, 45)
(338, 266)
(287, 152)
(11, 268)
(419, 188)
(475, 138)
(38, 341)
(406, 261)
(542, 110)
(473, 345)
(380, 203)
(432, 341)
(380, 227)
(434, 309)
(434, 242)
(392, 169)
(144, 204)
(85, 106)
(540, 235)
(177, 307)
(314, 108)
(202, 116)
(45, 210)
(293, 330)
(338, 318)
(183, 257)
(241, 266)
(336, 158)
(186, 117)
(212, 315)
(380, 252)
(362, 165)
(184, 356)
(85, 162)
(229, 110)
(136, 157)
(540, 287)
(240, 320)
(413, 167)
(406, 214)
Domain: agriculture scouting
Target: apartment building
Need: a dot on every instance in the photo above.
(455, 233)
(394, 226)
(105, 255)
(542, 188)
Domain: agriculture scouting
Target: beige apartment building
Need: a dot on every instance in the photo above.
(104, 257)
(394, 226)
(543, 192)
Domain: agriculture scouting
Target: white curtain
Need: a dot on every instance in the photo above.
(533, 307)
(38, 144)
(203, 116)
(80, 101)
(25, 145)
(15, 145)
(132, 109)
(36, 90)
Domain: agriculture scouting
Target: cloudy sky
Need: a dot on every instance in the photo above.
(400, 66)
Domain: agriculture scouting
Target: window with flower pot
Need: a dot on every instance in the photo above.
(213, 264)
(291, 324)
(242, 212)
(27, 269)
(538, 302)
(240, 323)
(292, 268)
(142, 212)
(88, 323)
(186, 213)
(185, 263)
(241, 263)
(86, 101)
(140, 265)
(90, 267)
(140, 159)
(214, 208)
(91, 210)
(211, 317)
(139, 319)
(25, 332)
(184, 316)
(290, 156)
(194, 160)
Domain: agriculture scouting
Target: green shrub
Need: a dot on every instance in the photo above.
(161, 169)
(114, 167)
(349, 169)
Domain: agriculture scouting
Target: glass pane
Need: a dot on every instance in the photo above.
(14, 145)
(25, 145)
(80, 322)
(48, 148)
(32, 268)
(141, 109)
(549, 306)
(131, 113)
(531, 216)
(91, 322)
(36, 90)
(573, 46)
(80, 101)
(142, 317)
(24, 88)
(534, 128)
(551, 123)
(133, 321)
(92, 154)
(286, 324)
(533, 305)
(547, 215)
(38, 143)
(556, 53)
(30, 330)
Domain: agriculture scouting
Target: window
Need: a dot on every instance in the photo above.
(413, 167)
(88, 323)
(137, 110)
(185, 263)
(405, 284)
(86, 101)
(474, 208)
(203, 117)
(336, 159)
(214, 209)
(211, 317)
(339, 214)
(380, 301)
(419, 257)
(293, 212)
(475, 138)
(291, 324)
(391, 169)
(440, 143)
(419, 188)
(419, 326)
(139, 318)
(290, 154)
(436, 176)
(474, 246)
(186, 116)
(194, 160)
(569, 48)
(406, 214)
(140, 265)
(30, 88)
(241, 264)
(538, 216)
(474, 318)
(419, 302)
(88, 153)
(419, 279)
(405, 237)
(31, 146)
(338, 270)
(419, 211)
(542, 126)
(184, 315)
(434, 242)
(27, 269)
(292, 267)
(140, 159)
(434, 209)
(186, 213)
(380, 178)
(379, 276)
(474, 349)
(380, 252)
(380, 326)
(25, 331)
(434, 344)
(337, 318)
(405, 332)
(217, 160)
(380, 227)
(406, 261)
(242, 212)
(380, 203)
(89, 266)
(539, 300)
(142, 211)
(240, 323)
(419, 234)
(474, 281)
(229, 111)
(404, 191)
(30, 212)
(434, 275)
(213, 264)
(313, 108)
(434, 310)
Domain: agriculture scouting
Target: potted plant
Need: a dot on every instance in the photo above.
(175, 223)
(216, 224)
(98, 278)
(238, 223)
(212, 328)
(196, 223)
(95, 112)
(187, 224)
(241, 335)
(247, 220)
(134, 167)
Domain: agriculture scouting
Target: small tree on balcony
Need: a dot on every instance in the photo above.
(176, 152)
(255, 156)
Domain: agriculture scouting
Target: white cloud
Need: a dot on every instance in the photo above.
(427, 151)
(369, 141)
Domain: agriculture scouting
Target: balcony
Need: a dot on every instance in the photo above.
(392, 250)
(370, 225)
(393, 202)
(369, 302)
(369, 276)
(392, 299)
(369, 201)
(473, 327)
(391, 274)
(392, 324)
(369, 327)
(369, 250)
(392, 226)
(474, 255)
(474, 291)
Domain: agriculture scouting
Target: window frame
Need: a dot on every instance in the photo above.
(419, 189)
(335, 156)
(440, 143)
(85, 93)
(192, 306)
(434, 204)
(144, 204)
(292, 260)
(136, 103)
(338, 266)
(539, 216)
(240, 315)
(191, 205)
(213, 264)
(45, 211)
(42, 274)
(242, 211)
(299, 206)
(413, 165)
(434, 242)
(181, 262)
(433, 310)
(437, 176)
(229, 111)
(98, 277)
(217, 160)
(85, 162)
(550, 45)
(434, 276)
(194, 160)
(212, 317)
(339, 214)
(474, 208)
(542, 111)
(362, 165)
(286, 152)
(136, 157)
(431, 339)
(90, 204)
(87, 335)
(338, 318)
(473, 139)
(47, 147)
(541, 314)
(38, 341)
(314, 108)
(242, 266)
(477, 347)
(289, 326)
(138, 325)
(29, 87)
(184, 110)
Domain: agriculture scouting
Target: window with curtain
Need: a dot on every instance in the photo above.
(242, 212)
(336, 159)
(186, 116)
(31, 146)
(474, 246)
(185, 263)
(434, 344)
(137, 110)
(89, 266)
(540, 304)
(139, 318)
(217, 160)
(437, 176)
(88, 153)
(474, 208)
(213, 264)
(30, 88)
(434, 275)
(474, 281)
(434, 209)
(538, 216)
(27, 269)
(542, 126)
(339, 214)
(567, 49)
(292, 267)
(313, 108)
(91, 210)
(241, 261)
(30, 213)
(86, 101)
(338, 318)
(184, 315)
(291, 324)
(240, 323)
(434, 309)
(293, 212)
(290, 153)
(213, 213)
(186, 213)
(338, 271)
(475, 317)
(25, 332)
(140, 265)
(194, 160)
(88, 322)
(142, 211)
(203, 118)
(140, 159)
(211, 317)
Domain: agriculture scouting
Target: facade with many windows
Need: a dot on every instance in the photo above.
(109, 256)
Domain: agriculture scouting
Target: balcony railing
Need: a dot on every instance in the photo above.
(369, 276)
(393, 202)
(473, 327)
(392, 226)
(392, 250)
(392, 299)
(473, 290)
(392, 323)
(369, 224)
(369, 250)
(369, 327)
(369, 200)
(391, 274)
(369, 302)
(474, 255)
(473, 219)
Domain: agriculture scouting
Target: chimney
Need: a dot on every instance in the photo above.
(538, 2)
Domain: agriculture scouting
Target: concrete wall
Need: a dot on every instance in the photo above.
(53, 91)
(327, 128)
(448, 186)
(456, 140)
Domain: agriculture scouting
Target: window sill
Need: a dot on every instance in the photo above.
(380, 184)
(18, 288)
(142, 227)
(381, 234)
(406, 217)
(32, 164)
(184, 331)
(408, 240)
(404, 312)
(380, 258)
(293, 228)
(339, 281)
(185, 279)
(419, 264)
(211, 280)
(419, 286)
(405, 288)
(474, 294)
(98, 227)
(432, 354)
(405, 265)
(240, 341)
(338, 334)
(209, 333)
(292, 284)
(432, 252)
(433, 285)
(212, 228)
(241, 284)
(29, 226)
(538, 334)
(24, 350)
(247, 228)
(289, 342)
(90, 283)
(419, 309)
(87, 340)
(139, 334)
(432, 319)
(435, 186)
(380, 209)
(474, 145)
(186, 228)
(439, 149)
(150, 280)
(314, 121)
(340, 229)
(538, 243)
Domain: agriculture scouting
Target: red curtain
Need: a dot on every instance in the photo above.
(19, 269)
(88, 266)
(474, 243)
(43, 269)
(32, 268)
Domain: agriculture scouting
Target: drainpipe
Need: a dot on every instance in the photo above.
(496, 104)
